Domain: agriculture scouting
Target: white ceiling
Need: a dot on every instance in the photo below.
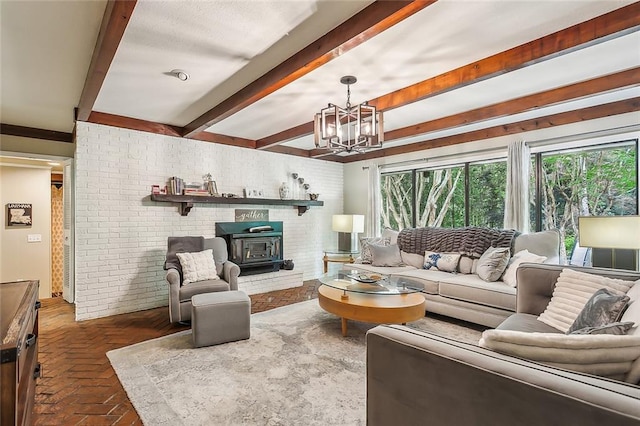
(226, 44)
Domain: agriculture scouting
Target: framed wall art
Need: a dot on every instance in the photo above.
(19, 214)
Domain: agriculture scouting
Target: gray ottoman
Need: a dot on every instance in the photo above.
(220, 317)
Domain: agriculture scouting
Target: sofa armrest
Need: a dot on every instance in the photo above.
(535, 287)
(173, 278)
(414, 375)
(230, 272)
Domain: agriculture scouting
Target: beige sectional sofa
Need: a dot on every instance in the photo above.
(463, 295)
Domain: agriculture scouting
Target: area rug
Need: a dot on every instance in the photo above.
(296, 369)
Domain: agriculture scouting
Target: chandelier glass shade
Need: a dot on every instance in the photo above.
(352, 128)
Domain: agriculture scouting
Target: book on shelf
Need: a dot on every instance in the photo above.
(197, 192)
(176, 185)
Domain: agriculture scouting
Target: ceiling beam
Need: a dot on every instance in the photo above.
(133, 124)
(34, 133)
(560, 119)
(371, 21)
(285, 136)
(597, 30)
(224, 139)
(602, 28)
(114, 21)
(532, 102)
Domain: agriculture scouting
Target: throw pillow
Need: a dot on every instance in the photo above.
(602, 355)
(616, 328)
(603, 308)
(572, 291)
(509, 276)
(197, 266)
(412, 259)
(391, 234)
(465, 266)
(365, 243)
(447, 262)
(386, 255)
(492, 263)
(632, 313)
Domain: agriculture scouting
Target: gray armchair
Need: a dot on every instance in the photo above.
(179, 295)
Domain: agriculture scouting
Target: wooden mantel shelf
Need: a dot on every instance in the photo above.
(187, 201)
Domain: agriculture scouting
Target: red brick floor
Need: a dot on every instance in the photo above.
(78, 385)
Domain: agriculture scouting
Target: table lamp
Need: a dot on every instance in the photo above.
(348, 226)
(614, 240)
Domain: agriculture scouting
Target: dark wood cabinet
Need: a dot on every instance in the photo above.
(19, 351)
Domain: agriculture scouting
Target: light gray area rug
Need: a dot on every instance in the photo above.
(296, 369)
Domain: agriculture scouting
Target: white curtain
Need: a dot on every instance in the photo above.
(516, 212)
(372, 227)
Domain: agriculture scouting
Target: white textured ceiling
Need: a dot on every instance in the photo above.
(226, 44)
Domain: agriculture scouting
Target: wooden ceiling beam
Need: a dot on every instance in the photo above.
(597, 30)
(560, 119)
(224, 139)
(133, 124)
(602, 28)
(34, 133)
(114, 21)
(371, 21)
(285, 136)
(532, 102)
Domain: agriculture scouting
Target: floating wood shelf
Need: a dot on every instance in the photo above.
(186, 202)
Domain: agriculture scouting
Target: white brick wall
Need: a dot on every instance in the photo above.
(121, 235)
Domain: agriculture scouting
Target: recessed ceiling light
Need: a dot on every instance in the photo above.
(181, 74)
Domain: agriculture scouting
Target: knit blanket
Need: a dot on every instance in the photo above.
(470, 241)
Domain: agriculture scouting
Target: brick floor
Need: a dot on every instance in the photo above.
(78, 385)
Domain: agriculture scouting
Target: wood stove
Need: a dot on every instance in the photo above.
(256, 247)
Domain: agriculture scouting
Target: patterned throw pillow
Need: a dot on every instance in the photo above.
(604, 307)
(447, 262)
(197, 266)
(365, 251)
(615, 328)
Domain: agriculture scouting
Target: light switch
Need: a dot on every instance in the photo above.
(34, 238)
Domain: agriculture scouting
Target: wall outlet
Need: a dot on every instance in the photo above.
(34, 238)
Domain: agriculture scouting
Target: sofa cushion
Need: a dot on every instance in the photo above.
(412, 259)
(492, 263)
(391, 234)
(465, 266)
(186, 292)
(366, 255)
(471, 288)
(601, 355)
(526, 322)
(447, 262)
(632, 313)
(386, 255)
(509, 276)
(572, 291)
(429, 280)
(543, 243)
(604, 307)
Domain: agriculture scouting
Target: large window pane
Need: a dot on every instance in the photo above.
(487, 183)
(397, 200)
(440, 195)
(598, 182)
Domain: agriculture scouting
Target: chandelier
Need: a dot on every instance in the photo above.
(352, 128)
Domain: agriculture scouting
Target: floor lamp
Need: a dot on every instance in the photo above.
(615, 240)
(348, 226)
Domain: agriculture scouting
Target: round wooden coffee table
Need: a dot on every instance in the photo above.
(389, 300)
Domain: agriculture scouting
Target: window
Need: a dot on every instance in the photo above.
(487, 187)
(397, 200)
(598, 181)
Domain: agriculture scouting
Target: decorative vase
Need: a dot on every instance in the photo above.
(285, 191)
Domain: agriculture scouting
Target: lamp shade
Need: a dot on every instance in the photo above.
(616, 232)
(349, 223)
